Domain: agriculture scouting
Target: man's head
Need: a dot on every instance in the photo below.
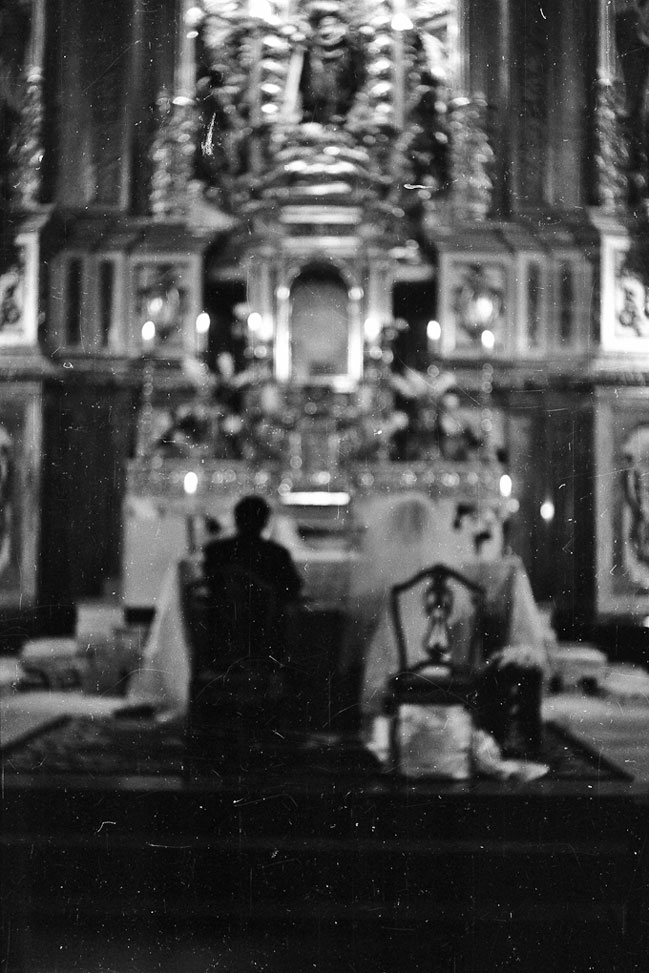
(251, 515)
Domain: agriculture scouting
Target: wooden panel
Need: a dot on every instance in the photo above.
(571, 556)
(89, 434)
(95, 79)
(20, 436)
(622, 458)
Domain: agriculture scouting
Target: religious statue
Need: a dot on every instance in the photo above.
(14, 34)
(633, 316)
(309, 97)
(635, 511)
(6, 497)
(332, 68)
(632, 42)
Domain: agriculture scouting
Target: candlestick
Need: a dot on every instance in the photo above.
(145, 424)
(400, 22)
(37, 40)
(186, 74)
(604, 31)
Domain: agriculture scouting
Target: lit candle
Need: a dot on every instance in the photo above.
(488, 339)
(372, 330)
(254, 325)
(433, 333)
(148, 337)
(190, 484)
(202, 331)
(547, 511)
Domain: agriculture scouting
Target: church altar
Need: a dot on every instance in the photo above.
(318, 517)
(284, 372)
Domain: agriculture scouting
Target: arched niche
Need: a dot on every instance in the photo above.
(319, 339)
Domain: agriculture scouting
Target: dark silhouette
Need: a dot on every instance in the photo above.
(333, 70)
(239, 631)
(249, 551)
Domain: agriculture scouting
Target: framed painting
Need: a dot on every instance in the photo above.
(20, 438)
(622, 503)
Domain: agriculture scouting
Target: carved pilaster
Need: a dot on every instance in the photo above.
(471, 157)
(173, 154)
(611, 153)
(27, 146)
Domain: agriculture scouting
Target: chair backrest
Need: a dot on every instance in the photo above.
(233, 620)
(437, 617)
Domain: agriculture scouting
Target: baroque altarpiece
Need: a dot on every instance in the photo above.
(321, 249)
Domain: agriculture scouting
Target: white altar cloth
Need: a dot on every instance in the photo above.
(163, 679)
(508, 599)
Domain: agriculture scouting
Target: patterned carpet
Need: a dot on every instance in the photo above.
(106, 746)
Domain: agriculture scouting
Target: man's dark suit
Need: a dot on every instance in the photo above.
(271, 562)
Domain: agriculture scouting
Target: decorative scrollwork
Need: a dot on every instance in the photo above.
(357, 102)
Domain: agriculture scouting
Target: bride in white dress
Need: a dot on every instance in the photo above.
(402, 535)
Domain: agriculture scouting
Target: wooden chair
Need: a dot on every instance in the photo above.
(437, 616)
(234, 630)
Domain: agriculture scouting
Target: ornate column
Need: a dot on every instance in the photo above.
(27, 149)
(20, 250)
(471, 155)
(177, 125)
(611, 157)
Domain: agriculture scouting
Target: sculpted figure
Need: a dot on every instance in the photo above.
(632, 42)
(332, 71)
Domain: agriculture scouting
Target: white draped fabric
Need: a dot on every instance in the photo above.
(401, 535)
(163, 678)
(508, 601)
